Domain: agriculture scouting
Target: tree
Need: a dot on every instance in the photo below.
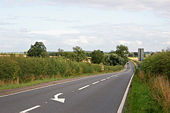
(37, 50)
(122, 51)
(80, 53)
(69, 55)
(60, 52)
(97, 56)
(113, 59)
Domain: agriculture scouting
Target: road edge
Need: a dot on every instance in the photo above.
(125, 96)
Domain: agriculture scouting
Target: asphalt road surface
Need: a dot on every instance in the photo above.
(95, 94)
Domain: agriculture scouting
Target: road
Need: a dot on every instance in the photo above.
(95, 94)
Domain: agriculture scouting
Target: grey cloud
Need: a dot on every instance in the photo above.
(161, 7)
(6, 23)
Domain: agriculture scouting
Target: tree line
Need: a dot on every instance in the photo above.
(118, 57)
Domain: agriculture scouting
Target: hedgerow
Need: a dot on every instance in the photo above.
(157, 64)
(34, 68)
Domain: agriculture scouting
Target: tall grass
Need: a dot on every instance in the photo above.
(16, 70)
(161, 91)
(156, 72)
(160, 88)
(140, 98)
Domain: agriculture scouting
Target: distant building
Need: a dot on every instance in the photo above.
(141, 54)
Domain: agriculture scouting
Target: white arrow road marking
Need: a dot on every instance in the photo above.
(62, 100)
(26, 111)
(95, 82)
(83, 87)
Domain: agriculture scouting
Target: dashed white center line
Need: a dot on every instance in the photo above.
(96, 82)
(108, 77)
(26, 111)
(102, 79)
(83, 87)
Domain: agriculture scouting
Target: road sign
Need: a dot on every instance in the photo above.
(140, 54)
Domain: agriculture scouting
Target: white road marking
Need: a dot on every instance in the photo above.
(96, 82)
(116, 75)
(62, 100)
(83, 87)
(48, 86)
(102, 79)
(124, 97)
(26, 111)
(108, 77)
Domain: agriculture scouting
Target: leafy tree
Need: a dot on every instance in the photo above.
(37, 50)
(113, 59)
(80, 54)
(131, 55)
(97, 56)
(60, 52)
(122, 50)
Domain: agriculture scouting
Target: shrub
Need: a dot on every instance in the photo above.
(114, 59)
(33, 68)
(9, 69)
(86, 67)
(157, 64)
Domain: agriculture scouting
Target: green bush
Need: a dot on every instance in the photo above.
(157, 64)
(114, 59)
(86, 67)
(34, 68)
(9, 69)
(113, 68)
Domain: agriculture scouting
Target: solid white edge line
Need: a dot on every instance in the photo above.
(83, 87)
(25, 111)
(124, 97)
(96, 82)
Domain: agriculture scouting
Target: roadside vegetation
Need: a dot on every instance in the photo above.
(19, 69)
(150, 92)
(39, 66)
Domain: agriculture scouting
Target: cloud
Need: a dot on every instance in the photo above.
(123, 42)
(139, 42)
(6, 23)
(161, 7)
(56, 33)
(167, 43)
(80, 40)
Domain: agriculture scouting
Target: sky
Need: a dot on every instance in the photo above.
(90, 24)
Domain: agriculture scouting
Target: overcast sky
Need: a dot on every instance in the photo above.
(90, 24)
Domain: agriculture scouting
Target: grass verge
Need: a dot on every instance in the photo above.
(140, 99)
